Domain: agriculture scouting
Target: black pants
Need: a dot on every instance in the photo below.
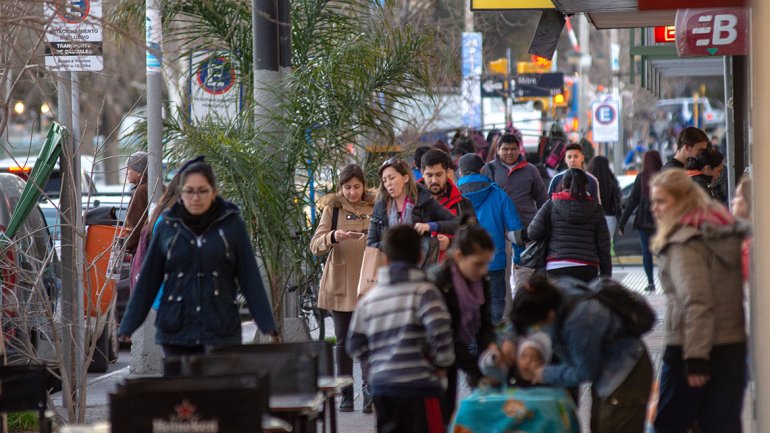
(174, 350)
(583, 273)
(172, 367)
(409, 414)
(343, 360)
(717, 407)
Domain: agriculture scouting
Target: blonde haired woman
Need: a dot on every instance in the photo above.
(704, 365)
(341, 233)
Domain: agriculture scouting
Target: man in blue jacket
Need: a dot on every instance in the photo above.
(497, 214)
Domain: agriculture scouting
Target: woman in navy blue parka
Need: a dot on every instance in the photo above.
(202, 254)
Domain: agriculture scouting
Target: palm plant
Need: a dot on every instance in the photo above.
(351, 64)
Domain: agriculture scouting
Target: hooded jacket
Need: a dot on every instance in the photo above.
(592, 344)
(522, 183)
(426, 210)
(403, 330)
(339, 282)
(495, 212)
(701, 274)
(201, 276)
(136, 215)
(576, 231)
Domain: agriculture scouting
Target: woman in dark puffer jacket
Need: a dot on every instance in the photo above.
(577, 234)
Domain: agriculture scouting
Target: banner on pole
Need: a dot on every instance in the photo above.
(154, 40)
(472, 63)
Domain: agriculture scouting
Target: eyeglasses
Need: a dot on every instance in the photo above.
(188, 193)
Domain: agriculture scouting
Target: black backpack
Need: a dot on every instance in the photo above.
(632, 308)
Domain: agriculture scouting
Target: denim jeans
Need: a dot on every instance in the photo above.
(497, 287)
(644, 237)
(717, 407)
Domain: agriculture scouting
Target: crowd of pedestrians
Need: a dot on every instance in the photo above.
(436, 232)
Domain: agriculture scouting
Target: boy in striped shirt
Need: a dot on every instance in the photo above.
(402, 328)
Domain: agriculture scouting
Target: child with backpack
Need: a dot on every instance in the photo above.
(593, 343)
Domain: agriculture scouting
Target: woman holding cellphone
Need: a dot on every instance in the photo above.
(341, 235)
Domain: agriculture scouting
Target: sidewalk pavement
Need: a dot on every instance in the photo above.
(631, 276)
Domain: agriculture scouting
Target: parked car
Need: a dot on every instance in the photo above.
(31, 279)
(22, 166)
(711, 113)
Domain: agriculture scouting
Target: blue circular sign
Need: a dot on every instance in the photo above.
(216, 75)
(605, 114)
(73, 11)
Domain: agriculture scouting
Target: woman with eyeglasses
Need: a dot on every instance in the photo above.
(341, 234)
(401, 200)
(201, 253)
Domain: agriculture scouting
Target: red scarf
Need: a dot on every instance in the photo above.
(715, 215)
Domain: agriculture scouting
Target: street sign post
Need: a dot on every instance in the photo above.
(494, 86)
(74, 37)
(605, 121)
(538, 85)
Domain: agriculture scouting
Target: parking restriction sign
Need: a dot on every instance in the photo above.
(74, 37)
(605, 121)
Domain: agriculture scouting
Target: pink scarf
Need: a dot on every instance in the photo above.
(470, 297)
(714, 215)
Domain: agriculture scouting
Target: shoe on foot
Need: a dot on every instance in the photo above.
(368, 399)
(346, 404)
(650, 288)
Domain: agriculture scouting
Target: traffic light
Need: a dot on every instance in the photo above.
(499, 66)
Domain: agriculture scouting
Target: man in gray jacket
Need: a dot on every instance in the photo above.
(520, 180)
(523, 184)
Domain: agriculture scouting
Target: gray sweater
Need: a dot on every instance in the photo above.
(402, 328)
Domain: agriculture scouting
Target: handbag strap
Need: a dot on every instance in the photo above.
(335, 217)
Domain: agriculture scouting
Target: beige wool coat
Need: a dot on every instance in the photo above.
(700, 270)
(339, 282)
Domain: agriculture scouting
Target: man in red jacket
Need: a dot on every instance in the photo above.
(435, 165)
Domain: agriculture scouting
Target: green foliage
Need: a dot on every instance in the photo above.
(22, 422)
(352, 65)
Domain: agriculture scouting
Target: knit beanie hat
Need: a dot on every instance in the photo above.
(540, 342)
(470, 163)
(137, 162)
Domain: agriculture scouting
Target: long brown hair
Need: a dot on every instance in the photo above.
(170, 196)
(403, 169)
(652, 164)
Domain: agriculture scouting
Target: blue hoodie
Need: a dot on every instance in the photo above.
(495, 211)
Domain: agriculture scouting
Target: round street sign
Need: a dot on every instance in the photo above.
(73, 11)
(216, 75)
(605, 114)
(606, 122)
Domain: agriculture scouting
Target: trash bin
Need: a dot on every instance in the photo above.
(103, 258)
